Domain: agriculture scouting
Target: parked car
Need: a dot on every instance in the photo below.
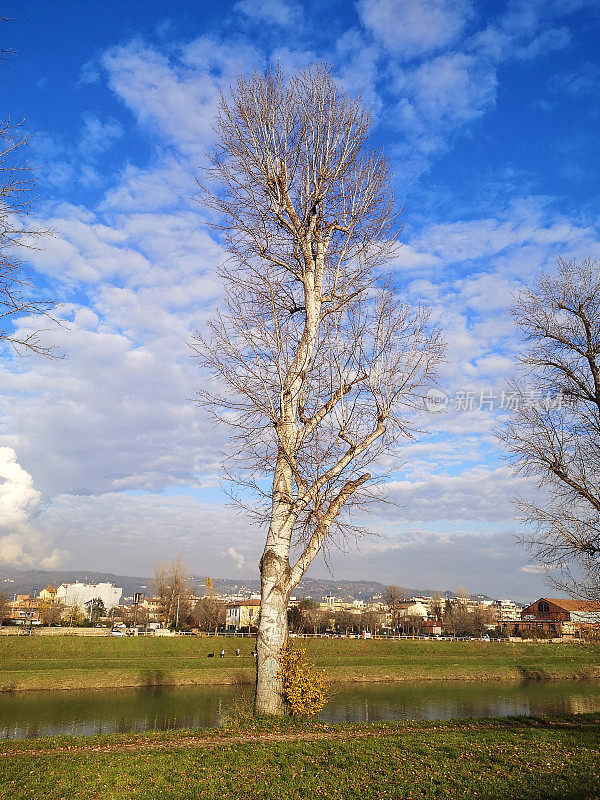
(118, 632)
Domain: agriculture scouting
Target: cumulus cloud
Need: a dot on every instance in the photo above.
(177, 98)
(237, 558)
(20, 544)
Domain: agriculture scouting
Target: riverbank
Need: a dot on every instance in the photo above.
(45, 663)
(528, 759)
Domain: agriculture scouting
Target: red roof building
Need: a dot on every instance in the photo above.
(558, 617)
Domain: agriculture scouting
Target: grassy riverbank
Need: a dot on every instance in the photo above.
(79, 662)
(526, 759)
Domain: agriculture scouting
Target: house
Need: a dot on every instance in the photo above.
(48, 595)
(25, 609)
(244, 614)
(557, 617)
(431, 627)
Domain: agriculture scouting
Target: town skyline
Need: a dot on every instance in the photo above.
(30, 581)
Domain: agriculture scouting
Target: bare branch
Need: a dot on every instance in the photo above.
(557, 438)
(19, 296)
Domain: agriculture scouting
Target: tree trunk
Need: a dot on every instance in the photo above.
(272, 635)
(275, 593)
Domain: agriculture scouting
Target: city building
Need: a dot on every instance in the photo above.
(507, 611)
(76, 595)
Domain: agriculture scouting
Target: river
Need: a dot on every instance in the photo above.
(83, 713)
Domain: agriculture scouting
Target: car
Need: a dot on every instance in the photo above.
(118, 632)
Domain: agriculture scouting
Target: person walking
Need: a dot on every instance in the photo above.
(222, 653)
(237, 652)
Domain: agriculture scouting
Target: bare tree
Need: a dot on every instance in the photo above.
(323, 365)
(171, 585)
(5, 607)
(554, 430)
(395, 600)
(19, 296)
(209, 613)
(437, 605)
(51, 612)
(370, 621)
(347, 621)
(410, 623)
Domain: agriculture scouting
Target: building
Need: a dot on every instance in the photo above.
(243, 614)
(76, 595)
(431, 627)
(507, 611)
(154, 607)
(25, 609)
(332, 604)
(48, 595)
(557, 617)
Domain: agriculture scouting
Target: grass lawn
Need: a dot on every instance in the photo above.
(552, 759)
(68, 662)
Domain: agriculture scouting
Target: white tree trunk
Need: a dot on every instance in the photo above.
(272, 635)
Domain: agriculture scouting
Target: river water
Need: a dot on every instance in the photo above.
(83, 713)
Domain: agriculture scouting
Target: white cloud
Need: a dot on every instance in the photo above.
(98, 136)
(478, 493)
(437, 100)
(534, 569)
(282, 13)
(414, 28)
(178, 98)
(21, 544)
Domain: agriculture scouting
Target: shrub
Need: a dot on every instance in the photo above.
(304, 687)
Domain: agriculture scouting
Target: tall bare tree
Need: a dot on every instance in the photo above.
(323, 365)
(395, 599)
(19, 296)
(171, 585)
(554, 430)
(5, 606)
(437, 605)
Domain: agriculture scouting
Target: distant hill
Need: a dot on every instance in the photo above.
(18, 581)
(15, 581)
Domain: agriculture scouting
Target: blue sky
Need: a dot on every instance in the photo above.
(489, 115)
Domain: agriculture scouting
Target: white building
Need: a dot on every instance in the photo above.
(78, 594)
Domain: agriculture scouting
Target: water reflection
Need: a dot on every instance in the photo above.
(83, 713)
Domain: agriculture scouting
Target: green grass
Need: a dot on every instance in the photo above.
(65, 662)
(553, 759)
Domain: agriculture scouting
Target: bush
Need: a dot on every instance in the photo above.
(304, 687)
